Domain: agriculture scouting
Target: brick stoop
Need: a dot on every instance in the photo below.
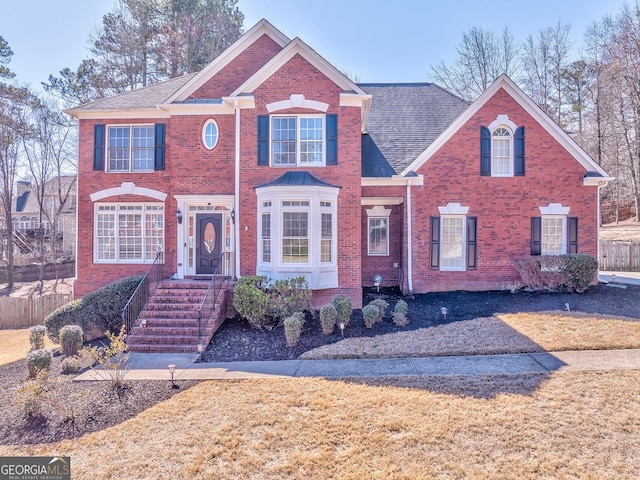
(172, 318)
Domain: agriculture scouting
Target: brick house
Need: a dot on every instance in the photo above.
(271, 161)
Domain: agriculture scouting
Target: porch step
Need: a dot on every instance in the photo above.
(170, 318)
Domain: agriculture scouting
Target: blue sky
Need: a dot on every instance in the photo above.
(379, 41)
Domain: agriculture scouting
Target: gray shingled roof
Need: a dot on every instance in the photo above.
(405, 118)
(146, 97)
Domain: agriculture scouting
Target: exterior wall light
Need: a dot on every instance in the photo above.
(179, 216)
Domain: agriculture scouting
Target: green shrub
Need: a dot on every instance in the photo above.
(293, 328)
(400, 314)
(70, 340)
(370, 313)
(288, 296)
(71, 365)
(328, 318)
(100, 310)
(32, 394)
(579, 271)
(344, 308)
(251, 302)
(36, 337)
(38, 361)
(573, 271)
(381, 305)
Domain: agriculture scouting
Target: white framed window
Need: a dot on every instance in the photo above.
(128, 233)
(210, 134)
(130, 148)
(554, 235)
(378, 231)
(298, 140)
(297, 234)
(452, 243)
(502, 152)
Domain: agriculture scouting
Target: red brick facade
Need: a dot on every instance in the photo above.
(503, 206)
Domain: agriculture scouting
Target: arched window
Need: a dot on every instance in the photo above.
(501, 152)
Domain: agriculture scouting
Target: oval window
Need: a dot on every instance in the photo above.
(210, 134)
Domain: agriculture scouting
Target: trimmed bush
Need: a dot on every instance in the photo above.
(98, 311)
(328, 318)
(370, 313)
(344, 307)
(71, 365)
(251, 302)
(381, 305)
(39, 361)
(36, 337)
(579, 271)
(70, 340)
(400, 313)
(288, 296)
(293, 328)
(573, 271)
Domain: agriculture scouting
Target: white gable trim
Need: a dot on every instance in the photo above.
(297, 47)
(128, 188)
(554, 209)
(297, 101)
(525, 102)
(263, 27)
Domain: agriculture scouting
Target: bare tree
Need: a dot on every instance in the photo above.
(482, 57)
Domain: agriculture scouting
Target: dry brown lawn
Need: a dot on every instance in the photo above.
(14, 345)
(628, 230)
(502, 333)
(566, 425)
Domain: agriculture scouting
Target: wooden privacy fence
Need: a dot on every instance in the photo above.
(620, 256)
(17, 312)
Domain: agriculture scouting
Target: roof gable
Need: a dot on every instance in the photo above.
(263, 27)
(505, 83)
(297, 47)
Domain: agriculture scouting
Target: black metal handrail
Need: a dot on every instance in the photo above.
(213, 291)
(143, 292)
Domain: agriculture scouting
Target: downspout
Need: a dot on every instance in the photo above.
(409, 240)
(236, 197)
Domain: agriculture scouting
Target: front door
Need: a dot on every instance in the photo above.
(208, 241)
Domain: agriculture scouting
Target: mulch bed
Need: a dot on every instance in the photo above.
(237, 341)
(71, 409)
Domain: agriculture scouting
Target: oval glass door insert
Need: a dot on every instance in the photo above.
(209, 237)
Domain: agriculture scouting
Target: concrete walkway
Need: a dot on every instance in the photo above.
(154, 366)
(624, 278)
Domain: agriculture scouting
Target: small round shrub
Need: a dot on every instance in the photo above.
(293, 329)
(344, 307)
(251, 303)
(370, 314)
(70, 340)
(400, 314)
(38, 361)
(36, 336)
(71, 365)
(381, 305)
(579, 271)
(328, 318)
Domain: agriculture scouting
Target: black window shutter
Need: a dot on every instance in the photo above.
(160, 146)
(536, 235)
(98, 147)
(472, 227)
(485, 152)
(572, 234)
(435, 242)
(332, 139)
(263, 140)
(519, 152)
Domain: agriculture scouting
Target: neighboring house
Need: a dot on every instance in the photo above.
(274, 159)
(26, 210)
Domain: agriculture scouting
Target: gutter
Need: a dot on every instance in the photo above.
(409, 240)
(236, 196)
